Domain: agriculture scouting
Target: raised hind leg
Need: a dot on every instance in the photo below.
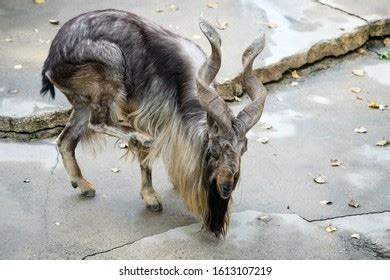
(67, 142)
(149, 195)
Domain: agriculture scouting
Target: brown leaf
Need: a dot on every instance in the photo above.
(383, 142)
(330, 228)
(295, 74)
(360, 130)
(355, 89)
(361, 50)
(221, 24)
(386, 42)
(212, 4)
(54, 21)
(358, 72)
(353, 203)
(335, 162)
(321, 179)
(374, 105)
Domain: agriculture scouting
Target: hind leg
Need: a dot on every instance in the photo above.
(149, 195)
(67, 142)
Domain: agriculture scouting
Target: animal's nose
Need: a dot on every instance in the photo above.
(225, 190)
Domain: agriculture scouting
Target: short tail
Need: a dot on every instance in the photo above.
(47, 85)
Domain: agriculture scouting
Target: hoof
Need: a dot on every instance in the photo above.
(89, 193)
(154, 207)
(74, 185)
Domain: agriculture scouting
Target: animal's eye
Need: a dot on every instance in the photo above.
(215, 150)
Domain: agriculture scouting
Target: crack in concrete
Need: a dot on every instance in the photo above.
(342, 216)
(32, 132)
(343, 11)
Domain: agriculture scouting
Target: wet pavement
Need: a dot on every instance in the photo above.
(312, 123)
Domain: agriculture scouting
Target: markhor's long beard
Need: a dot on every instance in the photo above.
(216, 217)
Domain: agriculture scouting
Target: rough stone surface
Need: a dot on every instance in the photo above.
(312, 123)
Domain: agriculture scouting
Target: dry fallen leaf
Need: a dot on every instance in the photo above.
(263, 140)
(361, 50)
(373, 105)
(326, 202)
(18, 66)
(123, 146)
(353, 203)
(330, 228)
(356, 89)
(266, 126)
(360, 130)
(265, 218)
(114, 170)
(335, 162)
(355, 235)
(221, 24)
(386, 42)
(237, 99)
(54, 21)
(321, 179)
(358, 72)
(39, 1)
(383, 142)
(174, 8)
(212, 4)
(295, 74)
(272, 25)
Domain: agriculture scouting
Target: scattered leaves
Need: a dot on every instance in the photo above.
(18, 66)
(123, 146)
(295, 74)
(335, 162)
(355, 235)
(39, 1)
(360, 130)
(383, 142)
(265, 218)
(294, 83)
(385, 55)
(326, 202)
(212, 4)
(114, 170)
(355, 89)
(263, 140)
(26, 181)
(174, 8)
(221, 24)
(266, 126)
(358, 72)
(353, 203)
(330, 228)
(9, 40)
(54, 21)
(386, 42)
(321, 179)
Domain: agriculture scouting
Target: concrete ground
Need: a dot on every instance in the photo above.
(312, 123)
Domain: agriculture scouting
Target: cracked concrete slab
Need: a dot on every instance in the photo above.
(374, 232)
(281, 236)
(302, 32)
